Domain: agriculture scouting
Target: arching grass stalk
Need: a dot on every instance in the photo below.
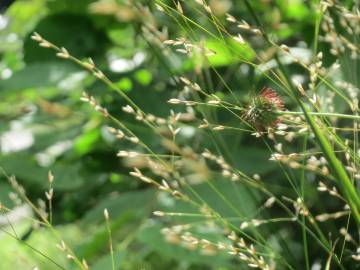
(108, 228)
(90, 66)
(42, 219)
(337, 168)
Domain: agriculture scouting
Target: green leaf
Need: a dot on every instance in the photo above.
(104, 262)
(24, 15)
(38, 75)
(5, 189)
(141, 204)
(294, 9)
(29, 173)
(152, 237)
(229, 53)
(86, 142)
(143, 77)
(125, 84)
(76, 32)
(98, 239)
(256, 160)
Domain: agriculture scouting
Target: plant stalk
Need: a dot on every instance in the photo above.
(338, 115)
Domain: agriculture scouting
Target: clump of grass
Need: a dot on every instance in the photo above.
(327, 154)
(43, 218)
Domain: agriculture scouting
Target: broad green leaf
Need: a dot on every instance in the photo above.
(125, 84)
(137, 202)
(143, 77)
(86, 142)
(104, 262)
(152, 237)
(229, 53)
(38, 75)
(29, 173)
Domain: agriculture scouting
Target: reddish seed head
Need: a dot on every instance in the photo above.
(272, 97)
(262, 110)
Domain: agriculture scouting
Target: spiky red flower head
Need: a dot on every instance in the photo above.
(262, 110)
(270, 96)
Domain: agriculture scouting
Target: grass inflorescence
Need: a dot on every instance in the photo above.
(311, 144)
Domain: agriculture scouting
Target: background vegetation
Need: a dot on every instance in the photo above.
(288, 208)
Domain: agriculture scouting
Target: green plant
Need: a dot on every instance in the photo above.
(213, 202)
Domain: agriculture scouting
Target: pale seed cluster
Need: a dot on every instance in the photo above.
(92, 101)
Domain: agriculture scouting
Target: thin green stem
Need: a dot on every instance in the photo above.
(340, 174)
(108, 228)
(34, 249)
(302, 186)
(338, 115)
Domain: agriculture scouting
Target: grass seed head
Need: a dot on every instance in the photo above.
(262, 109)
